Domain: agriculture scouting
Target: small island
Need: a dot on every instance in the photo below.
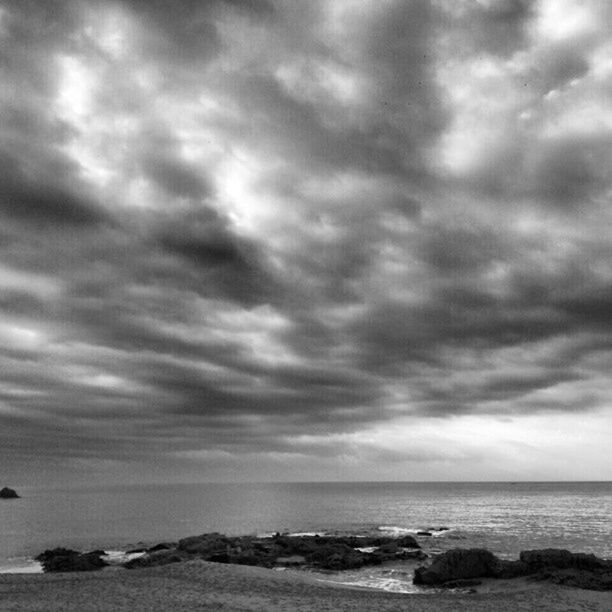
(7, 493)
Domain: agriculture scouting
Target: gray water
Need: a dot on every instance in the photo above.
(503, 517)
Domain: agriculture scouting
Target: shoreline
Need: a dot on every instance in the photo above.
(201, 585)
(380, 563)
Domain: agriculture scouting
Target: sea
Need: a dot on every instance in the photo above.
(502, 517)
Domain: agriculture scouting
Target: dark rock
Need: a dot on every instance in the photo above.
(161, 546)
(66, 560)
(220, 557)
(293, 561)
(423, 533)
(324, 552)
(7, 493)
(389, 549)
(579, 570)
(560, 559)
(337, 556)
(159, 557)
(594, 580)
(205, 544)
(408, 542)
(514, 569)
(55, 552)
(457, 564)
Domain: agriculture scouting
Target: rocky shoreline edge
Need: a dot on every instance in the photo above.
(456, 568)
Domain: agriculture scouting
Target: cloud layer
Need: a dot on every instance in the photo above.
(304, 240)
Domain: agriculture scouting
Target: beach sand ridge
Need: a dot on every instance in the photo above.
(199, 585)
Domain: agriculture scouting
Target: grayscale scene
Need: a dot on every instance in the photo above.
(306, 305)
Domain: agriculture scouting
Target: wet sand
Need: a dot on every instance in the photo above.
(198, 585)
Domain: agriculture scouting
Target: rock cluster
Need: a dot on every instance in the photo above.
(322, 552)
(7, 493)
(66, 560)
(457, 568)
(560, 566)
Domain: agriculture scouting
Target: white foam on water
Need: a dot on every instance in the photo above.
(296, 534)
(22, 566)
(367, 549)
(440, 532)
(117, 557)
(393, 585)
(393, 530)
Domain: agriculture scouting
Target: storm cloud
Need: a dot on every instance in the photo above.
(304, 239)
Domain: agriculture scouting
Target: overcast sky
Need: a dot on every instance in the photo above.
(305, 240)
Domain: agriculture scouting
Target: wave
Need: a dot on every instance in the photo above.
(118, 557)
(21, 565)
(395, 531)
(392, 580)
(293, 534)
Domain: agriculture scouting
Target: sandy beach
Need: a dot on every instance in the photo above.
(198, 585)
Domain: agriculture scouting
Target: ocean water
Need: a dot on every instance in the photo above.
(503, 517)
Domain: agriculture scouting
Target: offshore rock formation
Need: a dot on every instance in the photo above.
(559, 566)
(321, 552)
(7, 493)
(66, 560)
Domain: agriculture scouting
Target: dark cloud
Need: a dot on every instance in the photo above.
(463, 249)
(557, 66)
(175, 177)
(256, 233)
(189, 33)
(571, 172)
(37, 200)
(498, 27)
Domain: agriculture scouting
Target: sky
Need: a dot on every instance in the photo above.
(277, 240)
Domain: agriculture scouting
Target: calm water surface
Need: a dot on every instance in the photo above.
(502, 517)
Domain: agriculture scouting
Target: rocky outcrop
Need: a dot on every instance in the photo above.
(322, 552)
(458, 564)
(293, 561)
(66, 560)
(513, 569)
(6, 493)
(559, 559)
(559, 566)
